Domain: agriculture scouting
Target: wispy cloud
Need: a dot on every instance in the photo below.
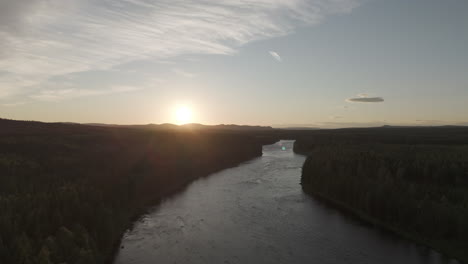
(41, 39)
(364, 98)
(276, 56)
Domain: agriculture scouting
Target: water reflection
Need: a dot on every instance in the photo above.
(257, 213)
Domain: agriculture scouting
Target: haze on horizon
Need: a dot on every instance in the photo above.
(324, 63)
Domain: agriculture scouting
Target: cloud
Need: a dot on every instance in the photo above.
(13, 13)
(364, 98)
(43, 39)
(276, 56)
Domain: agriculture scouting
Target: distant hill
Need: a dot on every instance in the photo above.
(166, 126)
(300, 128)
(444, 126)
(191, 126)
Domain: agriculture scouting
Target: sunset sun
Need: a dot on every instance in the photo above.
(183, 115)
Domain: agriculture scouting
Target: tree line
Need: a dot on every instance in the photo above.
(417, 190)
(68, 192)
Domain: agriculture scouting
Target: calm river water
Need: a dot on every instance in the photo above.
(257, 213)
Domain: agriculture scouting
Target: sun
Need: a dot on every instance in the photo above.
(183, 115)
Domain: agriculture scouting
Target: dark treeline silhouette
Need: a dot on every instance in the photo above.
(444, 135)
(413, 181)
(69, 191)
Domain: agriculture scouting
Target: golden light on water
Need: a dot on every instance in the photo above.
(183, 115)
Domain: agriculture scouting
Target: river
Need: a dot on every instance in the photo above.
(258, 213)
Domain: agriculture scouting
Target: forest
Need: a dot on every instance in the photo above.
(68, 191)
(412, 181)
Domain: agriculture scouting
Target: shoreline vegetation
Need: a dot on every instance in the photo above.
(68, 192)
(412, 181)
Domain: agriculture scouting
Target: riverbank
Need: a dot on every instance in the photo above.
(68, 192)
(416, 191)
(173, 190)
(258, 213)
(439, 246)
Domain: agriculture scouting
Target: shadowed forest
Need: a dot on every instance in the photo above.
(69, 191)
(413, 181)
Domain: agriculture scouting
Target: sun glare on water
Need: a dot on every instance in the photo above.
(183, 115)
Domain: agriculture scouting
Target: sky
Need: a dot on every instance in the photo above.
(321, 63)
